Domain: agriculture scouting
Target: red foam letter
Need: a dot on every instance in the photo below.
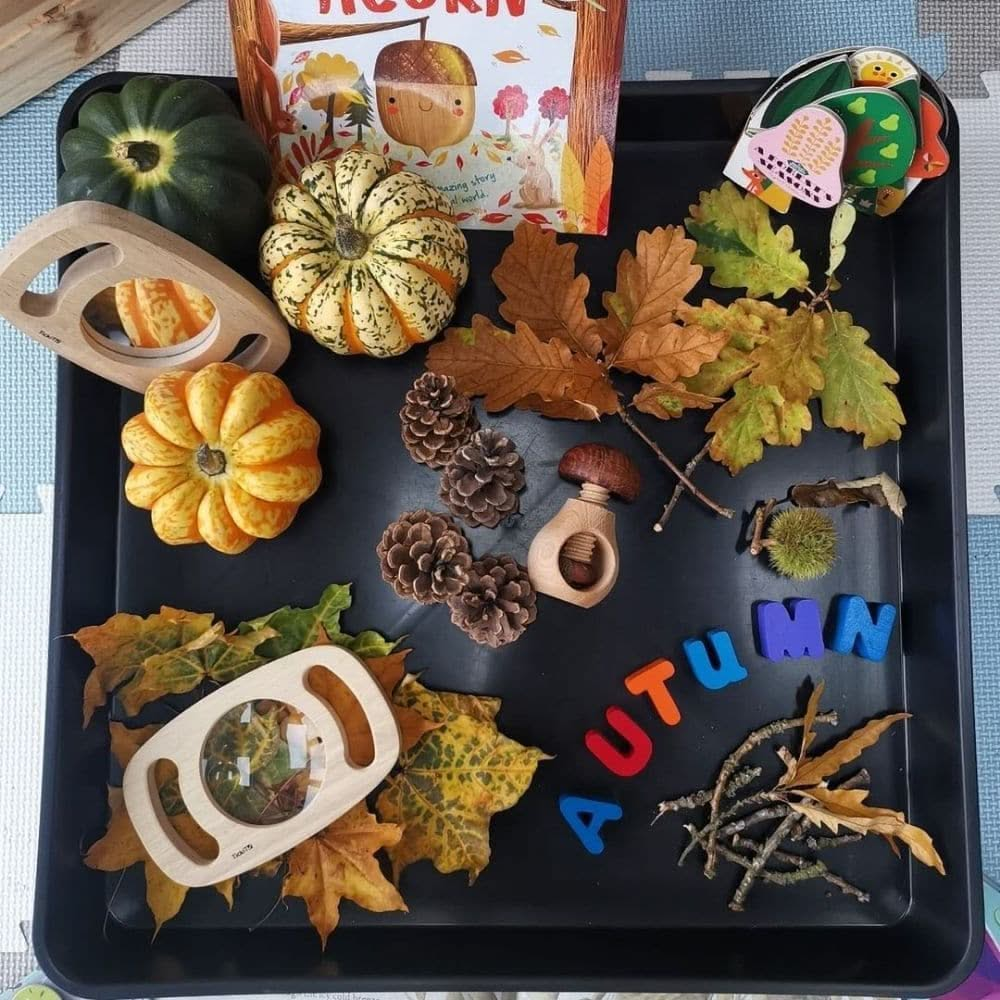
(652, 680)
(640, 746)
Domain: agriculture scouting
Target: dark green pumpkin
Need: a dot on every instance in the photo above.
(176, 152)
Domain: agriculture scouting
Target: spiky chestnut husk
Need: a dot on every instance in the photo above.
(802, 543)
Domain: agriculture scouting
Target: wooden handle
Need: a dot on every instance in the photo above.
(244, 845)
(133, 247)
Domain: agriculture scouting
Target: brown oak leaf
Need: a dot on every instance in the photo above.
(670, 400)
(506, 368)
(650, 285)
(667, 353)
(537, 276)
(340, 863)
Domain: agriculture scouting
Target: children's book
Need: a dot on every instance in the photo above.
(508, 106)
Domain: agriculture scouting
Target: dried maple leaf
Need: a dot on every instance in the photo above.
(126, 740)
(388, 671)
(735, 238)
(757, 414)
(856, 396)
(538, 277)
(670, 400)
(119, 647)
(788, 358)
(507, 368)
(340, 863)
(121, 848)
(650, 285)
(452, 782)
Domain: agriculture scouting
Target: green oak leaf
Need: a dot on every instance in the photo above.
(735, 238)
(856, 395)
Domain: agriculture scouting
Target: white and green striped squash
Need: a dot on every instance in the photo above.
(366, 259)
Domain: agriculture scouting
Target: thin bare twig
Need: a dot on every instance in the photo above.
(759, 798)
(672, 466)
(809, 871)
(757, 541)
(730, 764)
(824, 843)
(740, 780)
(764, 851)
(668, 507)
(802, 863)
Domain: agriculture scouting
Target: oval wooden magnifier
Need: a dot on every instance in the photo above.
(242, 846)
(124, 246)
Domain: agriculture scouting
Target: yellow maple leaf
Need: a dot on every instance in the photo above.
(340, 863)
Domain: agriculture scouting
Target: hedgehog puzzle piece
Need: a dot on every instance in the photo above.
(426, 93)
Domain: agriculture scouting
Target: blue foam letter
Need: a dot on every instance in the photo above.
(855, 631)
(574, 808)
(793, 635)
(729, 670)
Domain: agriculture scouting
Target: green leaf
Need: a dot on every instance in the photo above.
(788, 358)
(757, 414)
(856, 396)
(299, 628)
(735, 238)
(367, 643)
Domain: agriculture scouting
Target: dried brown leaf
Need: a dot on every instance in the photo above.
(670, 400)
(788, 358)
(809, 720)
(506, 368)
(537, 276)
(813, 770)
(560, 409)
(650, 286)
(879, 491)
(667, 353)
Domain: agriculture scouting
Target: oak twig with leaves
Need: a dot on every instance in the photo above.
(801, 798)
(456, 769)
(756, 364)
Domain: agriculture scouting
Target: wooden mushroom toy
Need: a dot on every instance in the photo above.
(575, 556)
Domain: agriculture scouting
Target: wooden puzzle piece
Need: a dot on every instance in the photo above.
(652, 680)
(803, 155)
(626, 764)
(855, 631)
(727, 668)
(575, 807)
(789, 632)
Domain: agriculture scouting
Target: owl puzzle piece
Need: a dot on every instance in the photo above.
(881, 135)
(803, 155)
(426, 93)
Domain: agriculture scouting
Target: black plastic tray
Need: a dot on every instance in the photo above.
(545, 914)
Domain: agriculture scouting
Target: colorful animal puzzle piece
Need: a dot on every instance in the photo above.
(881, 67)
(855, 631)
(628, 763)
(803, 155)
(725, 671)
(575, 807)
(651, 680)
(791, 632)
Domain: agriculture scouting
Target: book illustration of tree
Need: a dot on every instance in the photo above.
(510, 104)
(359, 113)
(327, 82)
(553, 105)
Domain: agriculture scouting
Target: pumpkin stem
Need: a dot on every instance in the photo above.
(211, 461)
(144, 156)
(351, 242)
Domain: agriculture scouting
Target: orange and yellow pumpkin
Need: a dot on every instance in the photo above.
(158, 312)
(221, 456)
(365, 258)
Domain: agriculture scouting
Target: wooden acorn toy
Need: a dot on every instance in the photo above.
(125, 247)
(316, 748)
(575, 556)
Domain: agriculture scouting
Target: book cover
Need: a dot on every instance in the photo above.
(508, 106)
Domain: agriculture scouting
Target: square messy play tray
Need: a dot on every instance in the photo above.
(545, 914)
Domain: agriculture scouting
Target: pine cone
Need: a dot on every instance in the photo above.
(425, 557)
(498, 602)
(481, 482)
(436, 420)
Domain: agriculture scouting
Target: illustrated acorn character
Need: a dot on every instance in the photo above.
(426, 93)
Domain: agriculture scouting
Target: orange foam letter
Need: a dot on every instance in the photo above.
(652, 680)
